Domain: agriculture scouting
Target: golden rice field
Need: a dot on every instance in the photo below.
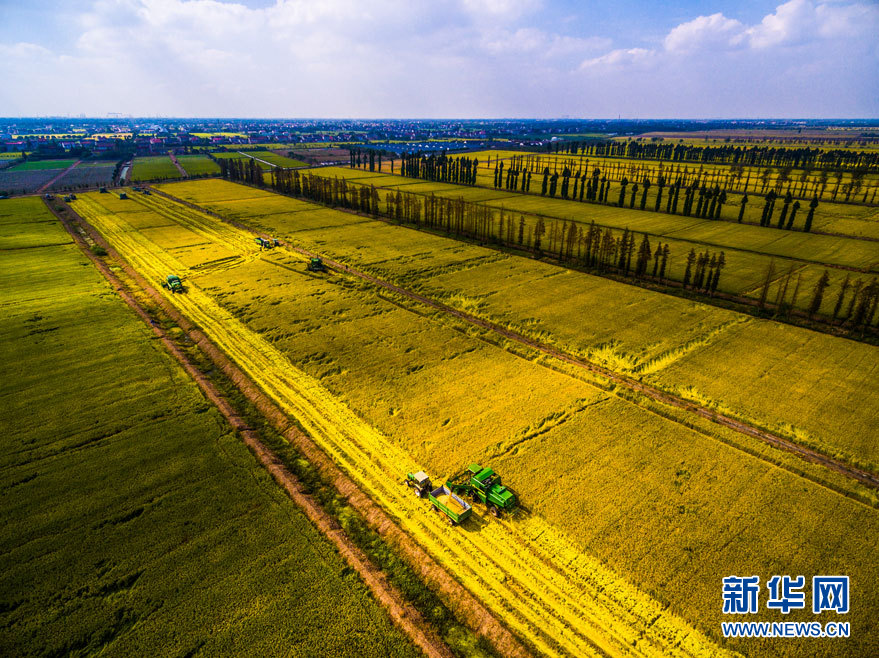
(809, 386)
(635, 517)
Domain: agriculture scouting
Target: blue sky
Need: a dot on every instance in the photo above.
(421, 58)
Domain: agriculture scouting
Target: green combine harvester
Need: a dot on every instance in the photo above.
(316, 265)
(485, 485)
(476, 483)
(173, 283)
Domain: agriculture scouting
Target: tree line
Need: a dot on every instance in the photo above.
(803, 183)
(855, 306)
(776, 156)
(594, 247)
(699, 200)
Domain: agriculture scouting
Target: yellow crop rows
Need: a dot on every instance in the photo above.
(562, 601)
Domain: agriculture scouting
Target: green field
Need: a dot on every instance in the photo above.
(135, 521)
(275, 158)
(266, 159)
(157, 167)
(197, 165)
(38, 165)
(669, 509)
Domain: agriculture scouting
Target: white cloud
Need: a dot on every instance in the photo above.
(792, 23)
(704, 31)
(24, 50)
(620, 58)
(422, 58)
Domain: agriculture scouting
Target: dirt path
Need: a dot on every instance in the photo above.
(54, 180)
(178, 165)
(652, 392)
(408, 618)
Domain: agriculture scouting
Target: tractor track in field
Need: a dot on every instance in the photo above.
(403, 613)
(557, 599)
(864, 477)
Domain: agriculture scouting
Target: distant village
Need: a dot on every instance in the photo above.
(112, 138)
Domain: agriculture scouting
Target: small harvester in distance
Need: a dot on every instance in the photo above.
(267, 243)
(103, 190)
(484, 484)
(123, 195)
(316, 265)
(173, 283)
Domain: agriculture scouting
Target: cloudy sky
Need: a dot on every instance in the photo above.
(429, 58)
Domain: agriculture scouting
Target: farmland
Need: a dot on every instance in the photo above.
(636, 332)
(135, 521)
(153, 168)
(383, 386)
(748, 250)
(91, 175)
(266, 159)
(39, 165)
(25, 182)
(198, 165)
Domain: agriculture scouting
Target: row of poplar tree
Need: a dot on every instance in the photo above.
(699, 199)
(867, 161)
(592, 246)
(856, 310)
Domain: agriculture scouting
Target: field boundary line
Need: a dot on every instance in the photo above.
(49, 184)
(864, 477)
(471, 611)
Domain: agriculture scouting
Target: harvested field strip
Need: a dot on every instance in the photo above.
(560, 600)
